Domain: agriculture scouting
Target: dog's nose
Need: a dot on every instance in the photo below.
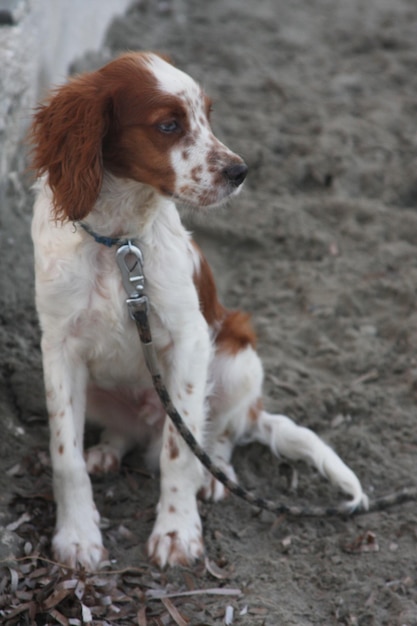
(236, 174)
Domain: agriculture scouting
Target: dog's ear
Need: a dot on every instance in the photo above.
(67, 134)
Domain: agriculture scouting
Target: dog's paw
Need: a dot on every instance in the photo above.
(176, 540)
(214, 489)
(102, 459)
(79, 544)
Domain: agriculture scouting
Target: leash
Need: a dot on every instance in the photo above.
(130, 261)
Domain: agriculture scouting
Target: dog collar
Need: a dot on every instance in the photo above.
(109, 242)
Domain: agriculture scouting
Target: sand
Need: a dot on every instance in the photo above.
(320, 247)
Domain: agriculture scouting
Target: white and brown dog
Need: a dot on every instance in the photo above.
(115, 149)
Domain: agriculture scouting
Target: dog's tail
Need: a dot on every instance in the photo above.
(296, 443)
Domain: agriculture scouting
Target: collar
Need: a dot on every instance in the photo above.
(105, 241)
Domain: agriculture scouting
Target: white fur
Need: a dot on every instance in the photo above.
(80, 299)
(93, 362)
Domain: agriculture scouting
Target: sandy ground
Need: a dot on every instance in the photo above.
(320, 99)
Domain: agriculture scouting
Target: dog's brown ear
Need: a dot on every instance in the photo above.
(67, 135)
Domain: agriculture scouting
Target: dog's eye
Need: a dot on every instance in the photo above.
(169, 127)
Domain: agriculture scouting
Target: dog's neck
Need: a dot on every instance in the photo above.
(137, 208)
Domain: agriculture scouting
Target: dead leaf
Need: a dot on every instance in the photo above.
(141, 617)
(86, 613)
(215, 570)
(158, 594)
(14, 580)
(61, 619)
(365, 542)
(55, 598)
(179, 619)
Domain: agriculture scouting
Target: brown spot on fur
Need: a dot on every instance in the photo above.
(174, 489)
(173, 448)
(189, 139)
(185, 190)
(61, 449)
(172, 509)
(196, 173)
(189, 388)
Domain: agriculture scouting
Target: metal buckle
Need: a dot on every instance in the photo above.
(130, 261)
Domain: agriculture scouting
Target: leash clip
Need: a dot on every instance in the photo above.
(130, 261)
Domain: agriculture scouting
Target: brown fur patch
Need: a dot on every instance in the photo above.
(107, 117)
(235, 328)
(210, 306)
(236, 333)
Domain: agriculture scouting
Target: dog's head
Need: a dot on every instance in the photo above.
(139, 118)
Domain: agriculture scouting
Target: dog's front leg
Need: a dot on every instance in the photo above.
(177, 536)
(77, 539)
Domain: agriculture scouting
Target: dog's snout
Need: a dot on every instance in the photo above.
(236, 174)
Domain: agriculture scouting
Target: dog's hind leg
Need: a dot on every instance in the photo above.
(238, 418)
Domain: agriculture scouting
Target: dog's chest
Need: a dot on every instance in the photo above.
(110, 339)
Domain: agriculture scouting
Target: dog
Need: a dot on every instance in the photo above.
(114, 150)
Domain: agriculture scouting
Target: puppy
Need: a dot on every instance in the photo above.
(114, 149)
